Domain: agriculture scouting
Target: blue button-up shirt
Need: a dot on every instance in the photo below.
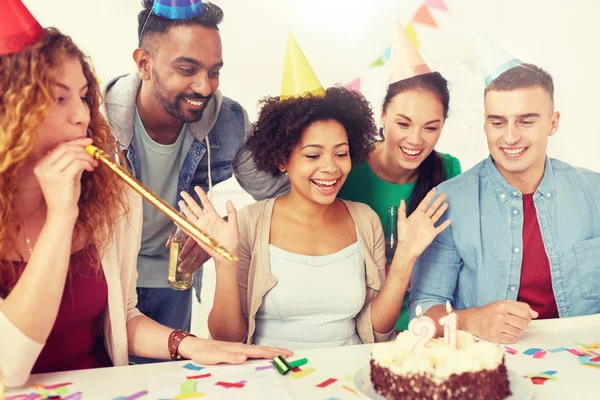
(477, 260)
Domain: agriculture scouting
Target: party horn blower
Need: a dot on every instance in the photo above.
(159, 203)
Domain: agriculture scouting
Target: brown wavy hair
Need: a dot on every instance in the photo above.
(26, 79)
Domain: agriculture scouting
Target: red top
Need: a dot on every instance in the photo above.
(75, 341)
(536, 280)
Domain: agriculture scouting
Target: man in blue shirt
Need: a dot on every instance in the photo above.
(525, 234)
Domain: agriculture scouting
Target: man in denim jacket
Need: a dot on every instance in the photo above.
(524, 241)
(178, 131)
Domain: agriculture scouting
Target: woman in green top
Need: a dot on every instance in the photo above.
(404, 164)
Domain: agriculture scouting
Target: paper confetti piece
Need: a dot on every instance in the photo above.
(349, 389)
(532, 351)
(510, 350)
(17, 397)
(538, 381)
(595, 359)
(549, 372)
(302, 373)
(199, 376)
(74, 396)
(44, 393)
(586, 360)
(326, 383)
(558, 349)
(264, 367)
(299, 363)
(229, 384)
(592, 366)
(333, 398)
(297, 369)
(136, 395)
(576, 352)
(189, 396)
(539, 354)
(188, 387)
(348, 378)
(119, 398)
(61, 390)
(593, 353)
(52, 387)
(531, 376)
(193, 367)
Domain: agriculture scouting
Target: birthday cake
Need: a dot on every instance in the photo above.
(471, 370)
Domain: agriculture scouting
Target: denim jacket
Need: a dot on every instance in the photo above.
(226, 124)
(477, 260)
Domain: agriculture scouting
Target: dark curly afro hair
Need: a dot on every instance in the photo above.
(281, 123)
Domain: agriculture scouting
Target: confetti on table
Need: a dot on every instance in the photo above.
(264, 367)
(302, 373)
(545, 376)
(551, 372)
(510, 350)
(539, 354)
(74, 396)
(538, 381)
(189, 396)
(17, 397)
(188, 387)
(587, 361)
(333, 398)
(299, 363)
(326, 383)
(532, 351)
(595, 359)
(593, 353)
(558, 349)
(576, 352)
(136, 395)
(297, 369)
(199, 376)
(349, 389)
(119, 398)
(230, 384)
(193, 367)
(61, 390)
(348, 378)
(52, 387)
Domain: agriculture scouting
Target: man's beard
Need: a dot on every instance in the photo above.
(174, 107)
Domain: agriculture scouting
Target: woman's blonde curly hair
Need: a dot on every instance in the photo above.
(26, 79)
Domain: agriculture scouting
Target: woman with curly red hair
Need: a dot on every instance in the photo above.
(311, 269)
(69, 232)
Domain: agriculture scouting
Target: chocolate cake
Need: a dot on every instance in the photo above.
(475, 370)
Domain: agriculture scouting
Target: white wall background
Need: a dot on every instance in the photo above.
(342, 37)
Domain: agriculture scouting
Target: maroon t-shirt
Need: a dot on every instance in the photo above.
(536, 281)
(75, 341)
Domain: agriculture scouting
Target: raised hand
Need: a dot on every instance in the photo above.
(210, 222)
(416, 232)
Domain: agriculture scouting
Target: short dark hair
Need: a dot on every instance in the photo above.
(281, 123)
(149, 23)
(523, 76)
(431, 172)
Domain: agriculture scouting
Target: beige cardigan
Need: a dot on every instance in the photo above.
(18, 353)
(254, 272)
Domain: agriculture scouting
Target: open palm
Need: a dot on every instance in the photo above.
(417, 232)
(211, 223)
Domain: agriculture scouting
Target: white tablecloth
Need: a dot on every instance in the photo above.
(574, 381)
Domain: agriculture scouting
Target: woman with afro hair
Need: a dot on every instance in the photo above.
(311, 267)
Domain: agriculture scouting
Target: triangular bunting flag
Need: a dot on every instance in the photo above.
(377, 63)
(354, 85)
(410, 30)
(388, 52)
(437, 4)
(423, 16)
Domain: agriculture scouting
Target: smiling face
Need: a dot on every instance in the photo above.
(413, 122)
(517, 125)
(319, 164)
(69, 116)
(184, 65)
